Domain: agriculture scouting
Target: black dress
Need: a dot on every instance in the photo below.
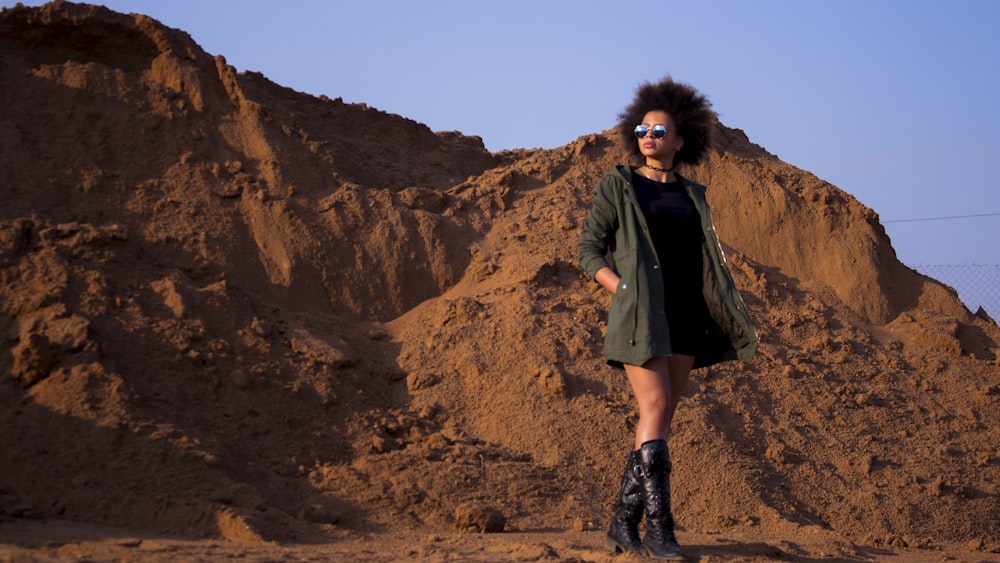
(675, 227)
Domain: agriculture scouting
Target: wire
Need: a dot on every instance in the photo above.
(912, 156)
(986, 154)
(943, 218)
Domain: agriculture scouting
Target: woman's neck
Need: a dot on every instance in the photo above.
(654, 171)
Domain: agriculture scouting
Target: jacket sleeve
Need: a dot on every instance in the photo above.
(598, 234)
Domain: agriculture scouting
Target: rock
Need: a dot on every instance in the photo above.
(896, 540)
(416, 381)
(318, 514)
(475, 517)
(382, 443)
(468, 370)
(34, 358)
(239, 379)
(552, 381)
(776, 453)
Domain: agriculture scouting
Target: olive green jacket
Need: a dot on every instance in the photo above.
(637, 323)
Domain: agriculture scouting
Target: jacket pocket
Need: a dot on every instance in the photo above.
(621, 317)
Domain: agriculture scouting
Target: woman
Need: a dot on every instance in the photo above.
(674, 306)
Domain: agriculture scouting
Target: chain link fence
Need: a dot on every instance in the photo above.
(978, 285)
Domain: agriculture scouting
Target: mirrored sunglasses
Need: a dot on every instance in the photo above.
(658, 131)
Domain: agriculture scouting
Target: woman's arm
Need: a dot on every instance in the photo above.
(598, 233)
(608, 279)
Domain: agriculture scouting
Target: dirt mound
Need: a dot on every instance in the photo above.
(232, 310)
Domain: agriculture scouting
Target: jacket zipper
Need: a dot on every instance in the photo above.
(629, 193)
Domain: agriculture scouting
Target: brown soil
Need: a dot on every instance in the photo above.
(241, 322)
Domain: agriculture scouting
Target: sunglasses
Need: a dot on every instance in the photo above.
(658, 131)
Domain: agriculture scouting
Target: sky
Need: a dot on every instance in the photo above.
(893, 101)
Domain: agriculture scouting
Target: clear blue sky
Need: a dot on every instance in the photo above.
(894, 101)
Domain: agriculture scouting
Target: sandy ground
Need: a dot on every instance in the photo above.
(241, 324)
(61, 541)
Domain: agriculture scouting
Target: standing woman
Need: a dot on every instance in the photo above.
(674, 306)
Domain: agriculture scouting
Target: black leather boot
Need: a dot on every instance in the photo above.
(654, 475)
(623, 534)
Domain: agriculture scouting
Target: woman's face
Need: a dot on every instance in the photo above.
(664, 149)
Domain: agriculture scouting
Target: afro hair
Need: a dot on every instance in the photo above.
(691, 111)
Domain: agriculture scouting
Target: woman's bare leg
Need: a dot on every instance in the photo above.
(658, 385)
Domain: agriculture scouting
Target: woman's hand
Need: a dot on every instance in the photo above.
(608, 279)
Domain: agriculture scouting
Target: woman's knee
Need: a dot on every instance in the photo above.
(656, 405)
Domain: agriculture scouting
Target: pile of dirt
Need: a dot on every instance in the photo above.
(232, 310)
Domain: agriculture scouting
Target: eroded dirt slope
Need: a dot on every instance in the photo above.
(232, 310)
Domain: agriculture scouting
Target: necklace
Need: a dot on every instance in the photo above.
(664, 170)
